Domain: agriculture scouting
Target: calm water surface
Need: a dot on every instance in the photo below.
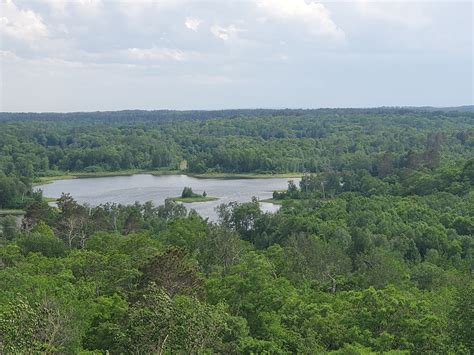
(145, 187)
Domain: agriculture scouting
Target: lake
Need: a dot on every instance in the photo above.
(146, 187)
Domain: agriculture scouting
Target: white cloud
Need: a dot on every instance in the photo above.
(157, 54)
(190, 44)
(8, 55)
(225, 33)
(22, 25)
(192, 23)
(314, 17)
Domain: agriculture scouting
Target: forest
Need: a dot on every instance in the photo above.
(372, 252)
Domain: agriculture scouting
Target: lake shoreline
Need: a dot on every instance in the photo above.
(271, 200)
(84, 175)
(194, 199)
(141, 188)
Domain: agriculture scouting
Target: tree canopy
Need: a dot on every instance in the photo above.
(371, 253)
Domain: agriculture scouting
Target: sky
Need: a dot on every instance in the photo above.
(91, 55)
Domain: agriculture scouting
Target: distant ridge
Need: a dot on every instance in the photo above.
(201, 115)
(465, 108)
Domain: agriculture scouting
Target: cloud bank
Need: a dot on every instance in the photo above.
(60, 55)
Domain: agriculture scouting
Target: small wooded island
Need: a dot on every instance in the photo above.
(188, 196)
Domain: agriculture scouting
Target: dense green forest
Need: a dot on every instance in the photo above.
(372, 252)
(374, 140)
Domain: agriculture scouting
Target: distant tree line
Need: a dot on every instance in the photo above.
(378, 142)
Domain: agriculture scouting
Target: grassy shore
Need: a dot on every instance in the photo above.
(11, 212)
(244, 175)
(271, 200)
(277, 202)
(50, 199)
(42, 180)
(80, 175)
(194, 199)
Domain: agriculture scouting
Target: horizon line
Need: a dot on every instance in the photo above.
(247, 109)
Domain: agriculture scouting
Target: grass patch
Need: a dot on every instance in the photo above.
(194, 199)
(245, 175)
(11, 212)
(50, 199)
(277, 202)
(271, 200)
(43, 180)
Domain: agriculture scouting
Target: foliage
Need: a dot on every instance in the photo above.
(372, 252)
(188, 192)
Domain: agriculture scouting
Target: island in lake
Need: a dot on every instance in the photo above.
(189, 196)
